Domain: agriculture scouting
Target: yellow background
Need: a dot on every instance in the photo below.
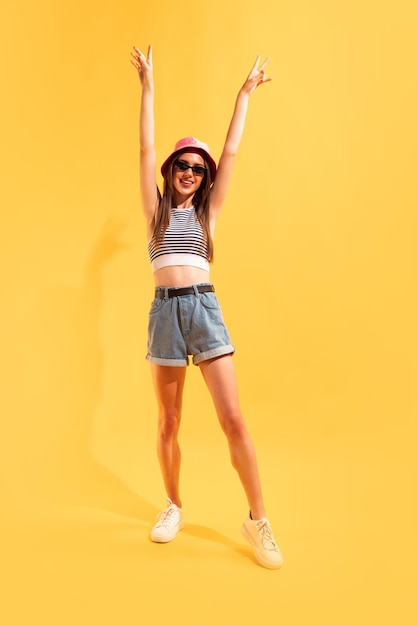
(315, 266)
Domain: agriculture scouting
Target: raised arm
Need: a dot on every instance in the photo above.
(256, 77)
(147, 163)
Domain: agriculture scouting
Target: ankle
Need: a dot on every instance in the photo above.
(258, 515)
(175, 501)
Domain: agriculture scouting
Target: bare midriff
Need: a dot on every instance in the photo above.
(180, 276)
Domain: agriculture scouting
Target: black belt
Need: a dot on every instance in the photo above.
(174, 292)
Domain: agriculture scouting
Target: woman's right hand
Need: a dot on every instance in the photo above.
(143, 65)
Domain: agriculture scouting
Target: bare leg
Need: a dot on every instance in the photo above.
(169, 384)
(219, 375)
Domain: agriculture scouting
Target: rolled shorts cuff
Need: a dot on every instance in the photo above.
(213, 353)
(172, 362)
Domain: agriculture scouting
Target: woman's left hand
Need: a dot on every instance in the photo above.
(256, 77)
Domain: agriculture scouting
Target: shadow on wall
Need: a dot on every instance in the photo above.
(60, 364)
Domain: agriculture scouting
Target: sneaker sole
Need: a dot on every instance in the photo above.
(258, 556)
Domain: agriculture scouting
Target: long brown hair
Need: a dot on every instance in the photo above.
(200, 202)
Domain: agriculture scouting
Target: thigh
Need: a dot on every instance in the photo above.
(168, 385)
(166, 345)
(208, 337)
(219, 375)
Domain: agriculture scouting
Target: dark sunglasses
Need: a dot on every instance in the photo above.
(183, 166)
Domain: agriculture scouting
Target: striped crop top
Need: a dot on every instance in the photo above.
(183, 243)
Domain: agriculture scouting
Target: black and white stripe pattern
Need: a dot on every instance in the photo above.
(184, 235)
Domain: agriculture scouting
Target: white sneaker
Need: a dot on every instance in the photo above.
(170, 521)
(259, 534)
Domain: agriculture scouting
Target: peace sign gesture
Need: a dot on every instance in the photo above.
(256, 77)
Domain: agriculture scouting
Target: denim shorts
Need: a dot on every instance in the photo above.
(187, 325)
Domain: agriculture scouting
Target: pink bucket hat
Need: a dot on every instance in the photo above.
(191, 144)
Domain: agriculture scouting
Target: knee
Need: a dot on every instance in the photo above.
(168, 424)
(234, 427)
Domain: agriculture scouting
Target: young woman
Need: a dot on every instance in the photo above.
(185, 317)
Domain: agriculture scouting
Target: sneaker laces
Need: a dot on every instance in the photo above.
(266, 534)
(167, 517)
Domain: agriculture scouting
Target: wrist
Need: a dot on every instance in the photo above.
(148, 87)
(243, 93)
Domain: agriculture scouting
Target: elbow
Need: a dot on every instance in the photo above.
(229, 153)
(146, 149)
